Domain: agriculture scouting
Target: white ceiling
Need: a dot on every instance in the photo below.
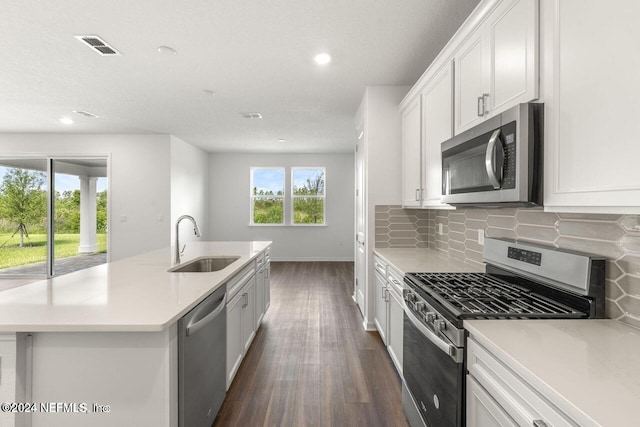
(256, 55)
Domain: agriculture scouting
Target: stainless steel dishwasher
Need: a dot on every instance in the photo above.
(202, 338)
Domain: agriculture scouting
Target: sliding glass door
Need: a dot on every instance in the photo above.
(53, 215)
(23, 216)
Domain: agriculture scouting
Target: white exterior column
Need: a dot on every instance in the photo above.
(88, 220)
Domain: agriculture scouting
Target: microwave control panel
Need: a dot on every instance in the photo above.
(509, 146)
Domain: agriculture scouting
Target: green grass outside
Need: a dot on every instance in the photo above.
(35, 248)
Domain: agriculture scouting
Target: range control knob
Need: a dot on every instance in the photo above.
(420, 306)
(439, 325)
(430, 317)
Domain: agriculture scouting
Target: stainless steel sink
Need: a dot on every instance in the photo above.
(204, 264)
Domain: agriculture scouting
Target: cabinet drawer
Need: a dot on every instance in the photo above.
(240, 279)
(523, 403)
(380, 266)
(395, 281)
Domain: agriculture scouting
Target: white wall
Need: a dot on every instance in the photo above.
(189, 188)
(139, 182)
(229, 195)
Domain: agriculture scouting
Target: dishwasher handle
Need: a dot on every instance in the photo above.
(194, 325)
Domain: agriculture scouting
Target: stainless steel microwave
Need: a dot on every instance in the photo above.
(496, 163)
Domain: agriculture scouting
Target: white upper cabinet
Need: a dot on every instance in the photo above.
(490, 65)
(496, 67)
(591, 89)
(471, 90)
(514, 61)
(411, 154)
(427, 121)
(437, 123)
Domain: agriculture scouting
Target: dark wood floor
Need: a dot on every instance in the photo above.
(312, 363)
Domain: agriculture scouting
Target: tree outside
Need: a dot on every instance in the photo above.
(23, 219)
(23, 201)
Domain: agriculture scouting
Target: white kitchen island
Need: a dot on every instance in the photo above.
(99, 346)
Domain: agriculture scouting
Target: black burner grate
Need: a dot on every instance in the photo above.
(479, 295)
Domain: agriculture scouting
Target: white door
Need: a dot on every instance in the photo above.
(361, 253)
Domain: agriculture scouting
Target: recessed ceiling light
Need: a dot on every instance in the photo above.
(322, 58)
(167, 50)
(66, 121)
(282, 140)
(251, 115)
(208, 92)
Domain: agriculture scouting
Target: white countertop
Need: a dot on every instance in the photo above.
(133, 294)
(409, 260)
(590, 368)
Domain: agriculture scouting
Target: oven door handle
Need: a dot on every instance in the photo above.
(454, 352)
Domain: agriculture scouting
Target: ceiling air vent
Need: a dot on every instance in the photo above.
(98, 45)
(251, 115)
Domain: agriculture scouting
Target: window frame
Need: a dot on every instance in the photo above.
(253, 197)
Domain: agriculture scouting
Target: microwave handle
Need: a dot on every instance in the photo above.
(490, 160)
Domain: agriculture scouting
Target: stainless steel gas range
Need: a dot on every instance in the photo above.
(522, 281)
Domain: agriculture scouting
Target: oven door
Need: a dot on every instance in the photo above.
(434, 374)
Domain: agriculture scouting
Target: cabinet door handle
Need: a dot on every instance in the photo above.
(539, 423)
(482, 105)
(485, 103)
(383, 290)
(417, 194)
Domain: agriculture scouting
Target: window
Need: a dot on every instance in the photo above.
(308, 194)
(298, 199)
(267, 195)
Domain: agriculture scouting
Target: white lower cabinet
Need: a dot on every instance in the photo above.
(267, 284)
(483, 410)
(248, 300)
(235, 349)
(389, 309)
(249, 313)
(396, 327)
(381, 308)
(260, 292)
(497, 396)
(263, 293)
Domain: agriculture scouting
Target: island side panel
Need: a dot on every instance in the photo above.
(135, 374)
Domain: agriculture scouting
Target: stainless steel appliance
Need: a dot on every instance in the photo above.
(522, 281)
(498, 162)
(202, 352)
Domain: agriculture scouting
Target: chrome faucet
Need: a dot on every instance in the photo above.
(195, 230)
